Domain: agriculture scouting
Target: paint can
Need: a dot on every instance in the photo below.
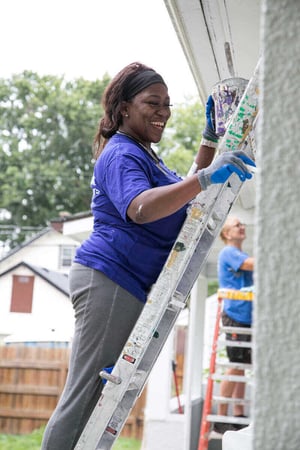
(227, 95)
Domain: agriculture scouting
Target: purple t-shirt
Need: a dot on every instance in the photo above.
(130, 254)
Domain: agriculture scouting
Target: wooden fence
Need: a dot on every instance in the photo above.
(31, 382)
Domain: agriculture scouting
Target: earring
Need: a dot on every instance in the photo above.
(126, 115)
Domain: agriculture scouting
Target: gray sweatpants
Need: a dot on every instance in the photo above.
(104, 317)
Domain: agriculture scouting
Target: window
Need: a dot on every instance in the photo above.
(22, 293)
(66, 256)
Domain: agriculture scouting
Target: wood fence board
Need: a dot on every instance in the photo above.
(31, 382)
(28, 389)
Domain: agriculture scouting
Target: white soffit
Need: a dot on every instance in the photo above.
(220, 38)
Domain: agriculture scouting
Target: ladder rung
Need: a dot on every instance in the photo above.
(228, 343)
(235, 330)
(178, 304)
(239, 401)
(236, 378)
(234, 365)
(228, 419)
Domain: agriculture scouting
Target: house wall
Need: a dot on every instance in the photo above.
(79, 229)
(277, 243)
(51, 309)
(43, 251)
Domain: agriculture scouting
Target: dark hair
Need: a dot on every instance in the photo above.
(123, 87)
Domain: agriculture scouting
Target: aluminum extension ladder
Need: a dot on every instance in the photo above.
(207, 417)
(169, 294)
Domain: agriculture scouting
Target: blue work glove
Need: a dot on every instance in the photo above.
(223, 166)
(209, 130)
(107, 369)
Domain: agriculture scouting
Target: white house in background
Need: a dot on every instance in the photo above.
(49, 248)
(35, 305)
(34, 298)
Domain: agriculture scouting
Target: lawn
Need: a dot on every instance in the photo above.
(33, 442)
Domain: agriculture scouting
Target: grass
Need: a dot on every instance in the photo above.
(25, 442)
(127, 444)
(33, 442)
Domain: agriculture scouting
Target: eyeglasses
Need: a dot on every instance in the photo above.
(239, 225)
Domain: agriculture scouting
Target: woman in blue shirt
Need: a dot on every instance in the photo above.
(235, 271)
(139, 206)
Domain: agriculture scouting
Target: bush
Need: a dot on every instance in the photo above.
(213, 287)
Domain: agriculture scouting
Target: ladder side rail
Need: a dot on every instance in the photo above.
(109, 420)
(151, 315)
(143, 369)
(180, 296)
(86, 439)
(205, 424)
(224, 200)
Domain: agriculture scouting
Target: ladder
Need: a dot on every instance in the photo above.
(207, 417)
(169, 294)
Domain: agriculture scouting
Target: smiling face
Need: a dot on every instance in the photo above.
(146, 115)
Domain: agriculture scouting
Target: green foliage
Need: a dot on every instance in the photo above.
(127, 444)
(33, 442)
(181, 139)
(48, 125)
(213, 287)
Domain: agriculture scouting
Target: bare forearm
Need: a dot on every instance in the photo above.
(160, 202)
(204, 156)
(248, 264)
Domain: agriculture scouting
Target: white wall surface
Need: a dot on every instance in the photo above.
(51, 309)
(277, 305)
(43, 252)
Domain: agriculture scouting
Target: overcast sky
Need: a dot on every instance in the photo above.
(89, 38)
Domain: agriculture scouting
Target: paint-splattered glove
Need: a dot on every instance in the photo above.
(223, 166)
(210, 138)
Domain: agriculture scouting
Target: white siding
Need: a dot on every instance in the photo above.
(51, 309)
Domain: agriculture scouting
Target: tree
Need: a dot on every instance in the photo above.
(47, 126)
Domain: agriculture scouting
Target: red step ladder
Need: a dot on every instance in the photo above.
(207, 417)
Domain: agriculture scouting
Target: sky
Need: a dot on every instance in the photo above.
(88, 38)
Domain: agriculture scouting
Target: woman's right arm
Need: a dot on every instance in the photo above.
(157, 203)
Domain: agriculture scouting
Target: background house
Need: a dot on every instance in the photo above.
(35, 306)
(34, 301)
(49, 248)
